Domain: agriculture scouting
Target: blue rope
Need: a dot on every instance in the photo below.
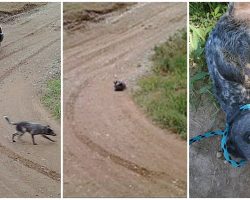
(224, 135)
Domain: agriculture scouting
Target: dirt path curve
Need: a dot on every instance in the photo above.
(110, 148)
(30, 48)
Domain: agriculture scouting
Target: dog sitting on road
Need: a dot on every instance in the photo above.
(119, 86)
(32, 128)
(228, 59)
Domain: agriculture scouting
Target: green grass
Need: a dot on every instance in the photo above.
(163, 94)
(203, 17)
(52, 97)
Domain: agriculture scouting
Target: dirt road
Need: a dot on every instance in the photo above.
(110, 148)
(31, 46)
(211, 177)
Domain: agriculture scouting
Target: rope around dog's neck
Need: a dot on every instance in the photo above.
(224, 139)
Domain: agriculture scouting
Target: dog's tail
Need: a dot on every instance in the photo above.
(8, 120)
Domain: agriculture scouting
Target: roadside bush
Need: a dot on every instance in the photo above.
(203, 17)
(163, 93)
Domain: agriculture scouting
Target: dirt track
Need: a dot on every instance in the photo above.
(211, 177)
(31, 46)
(110, 148)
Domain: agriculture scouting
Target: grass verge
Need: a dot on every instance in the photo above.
(52, 97)
(163, 93)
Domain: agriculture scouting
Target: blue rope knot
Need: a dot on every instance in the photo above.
(224, 138)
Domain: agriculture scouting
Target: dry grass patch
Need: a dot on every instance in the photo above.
(16, 8)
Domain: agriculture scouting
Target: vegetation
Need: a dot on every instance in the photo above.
(18, 7)
(203, 17)
(76, 14)
(163, 93)
(52, 97)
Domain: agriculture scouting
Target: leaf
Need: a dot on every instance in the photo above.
(199, 76)
(199, 31)
(216, 10)
(204, 89)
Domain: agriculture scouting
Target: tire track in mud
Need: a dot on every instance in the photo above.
(91, 55)
(126, 31)
(142, 171)
(28, 34)
(130, 34)
(105, 48)
(4, 56)
(30, 164)
(29, 51)
(13, 68)
(84, 61)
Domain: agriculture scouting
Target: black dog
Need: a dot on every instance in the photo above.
(228, 59)
(119, 86)
(1, 35)
(32, 128)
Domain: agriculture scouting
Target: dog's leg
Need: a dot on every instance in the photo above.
(48, 138)
(21, 134)
(33, 139)
(13, 136)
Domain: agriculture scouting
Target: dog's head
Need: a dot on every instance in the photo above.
(49, 131)
(239, 136)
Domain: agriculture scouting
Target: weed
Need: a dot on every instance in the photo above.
(203, 17)
(162, 94)
(52, 97)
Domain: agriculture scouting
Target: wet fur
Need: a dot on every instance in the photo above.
(228, 59)
(32, 128)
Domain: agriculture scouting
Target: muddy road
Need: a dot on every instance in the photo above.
(110, 148)
(30, 47)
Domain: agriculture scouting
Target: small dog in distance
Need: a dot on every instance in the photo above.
(119, 86)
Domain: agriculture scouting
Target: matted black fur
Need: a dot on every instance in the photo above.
(119, 86)
(32, 128)
(228, 59)
(1, 35)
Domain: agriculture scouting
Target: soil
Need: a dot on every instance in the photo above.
(30, 47)
(211, 176)
(77, 15)
(111, 149)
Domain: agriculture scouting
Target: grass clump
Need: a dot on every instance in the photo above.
(52, 97)
(163, 93)
(203, 17)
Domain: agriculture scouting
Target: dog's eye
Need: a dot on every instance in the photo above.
(246, 137)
